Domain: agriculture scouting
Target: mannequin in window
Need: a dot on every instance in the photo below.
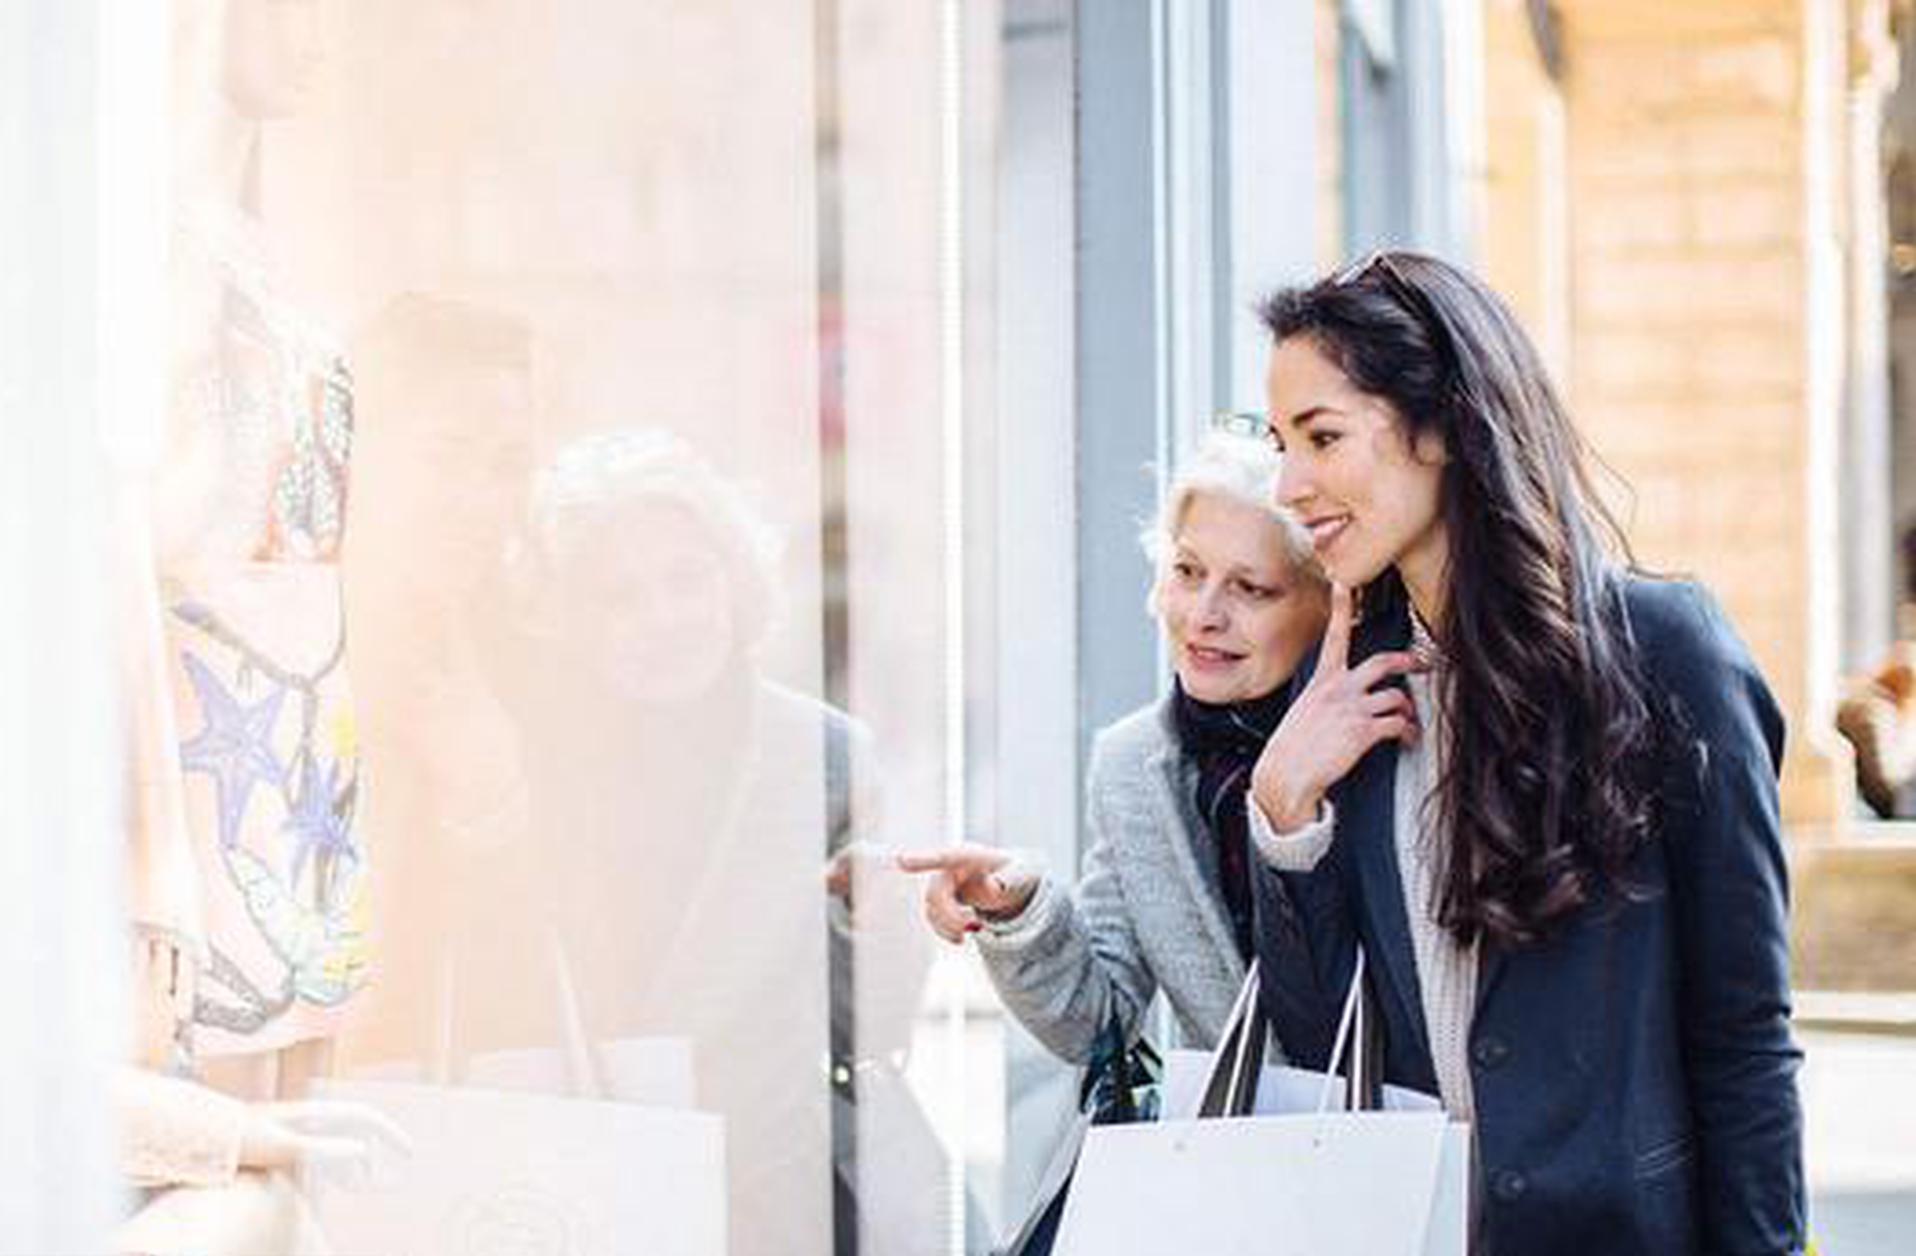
(248, 867)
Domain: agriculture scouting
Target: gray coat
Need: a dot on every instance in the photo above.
(1147, 914)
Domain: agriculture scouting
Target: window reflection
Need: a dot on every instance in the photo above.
(499, 385)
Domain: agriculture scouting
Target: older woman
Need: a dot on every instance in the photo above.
(1164, 901)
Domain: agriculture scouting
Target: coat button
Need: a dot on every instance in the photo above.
(1508, 1185)
(1490, 1051)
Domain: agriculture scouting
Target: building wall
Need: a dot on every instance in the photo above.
(1328, 30)
(1522, 245)
(1701, 261)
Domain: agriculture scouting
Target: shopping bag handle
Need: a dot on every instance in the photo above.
(1351, 1026)
(1230, 1078)
(585, 1071)
(1230, 1081)
(1116, 1068)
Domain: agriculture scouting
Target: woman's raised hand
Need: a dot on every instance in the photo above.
(969, 883)
(1341, 714)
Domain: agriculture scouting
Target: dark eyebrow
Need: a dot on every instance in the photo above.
(1304, 418)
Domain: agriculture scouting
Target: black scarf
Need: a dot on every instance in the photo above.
(1224, 741)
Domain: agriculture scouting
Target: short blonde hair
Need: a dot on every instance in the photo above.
(589, 481)
(1243, 469)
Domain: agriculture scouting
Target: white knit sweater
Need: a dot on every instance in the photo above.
(1446, 972)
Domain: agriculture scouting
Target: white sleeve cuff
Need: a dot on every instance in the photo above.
(1298, 850)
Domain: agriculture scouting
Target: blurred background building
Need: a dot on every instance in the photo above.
(944, 286)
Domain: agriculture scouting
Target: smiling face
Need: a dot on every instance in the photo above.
(649, 599)
(1236, 613)
(1370, 498)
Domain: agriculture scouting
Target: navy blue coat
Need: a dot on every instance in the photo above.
(1634, 1076)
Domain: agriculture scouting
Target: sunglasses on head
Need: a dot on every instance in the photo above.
(1382, 264)
(1378, 262)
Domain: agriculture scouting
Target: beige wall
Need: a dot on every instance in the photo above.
(1522, 249)
(1701, 259)
(1330, 137)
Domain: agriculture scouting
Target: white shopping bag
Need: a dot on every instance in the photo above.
(585, 1149)
(492, 1171)
(1281, 1089)
(1321, 1181)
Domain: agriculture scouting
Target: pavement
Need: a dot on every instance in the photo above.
(1859, 1100)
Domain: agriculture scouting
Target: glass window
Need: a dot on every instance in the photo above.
(557, 537)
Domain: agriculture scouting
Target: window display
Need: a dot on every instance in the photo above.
(250, 871)
(506, 349)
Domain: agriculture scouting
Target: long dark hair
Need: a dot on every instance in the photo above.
(1547, 791)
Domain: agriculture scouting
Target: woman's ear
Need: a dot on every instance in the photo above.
(1430, 448)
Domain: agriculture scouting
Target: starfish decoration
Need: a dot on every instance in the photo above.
(233, 748)
(321, 817)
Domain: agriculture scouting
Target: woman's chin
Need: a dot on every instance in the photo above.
(1353, 571)
(1207, 687)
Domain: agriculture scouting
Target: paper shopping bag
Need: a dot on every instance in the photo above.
(1281, 1090)
(492, 1171)
(1339, 1184)
(541, 1150)
(1316, 1179)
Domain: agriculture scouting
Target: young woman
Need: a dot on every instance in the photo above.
(1537, 787)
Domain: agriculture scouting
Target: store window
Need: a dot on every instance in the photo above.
(582, 481)
(552, 587)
